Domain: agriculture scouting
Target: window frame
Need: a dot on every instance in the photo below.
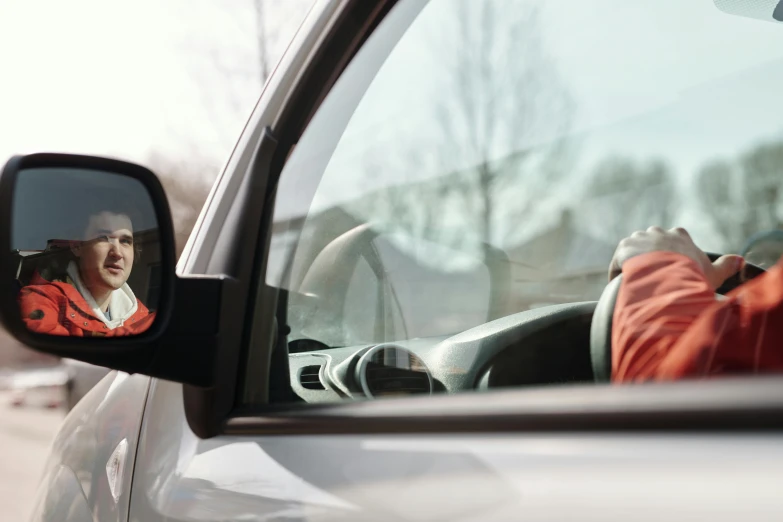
(725, 405)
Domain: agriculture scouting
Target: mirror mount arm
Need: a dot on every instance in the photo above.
(187, 349)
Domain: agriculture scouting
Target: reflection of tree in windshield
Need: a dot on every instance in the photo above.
(623, 196)
(500, 94)
(743, 197)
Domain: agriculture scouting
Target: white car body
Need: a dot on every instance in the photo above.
(82, 377)
(177, 476)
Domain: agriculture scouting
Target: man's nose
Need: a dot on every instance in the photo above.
(115, 247)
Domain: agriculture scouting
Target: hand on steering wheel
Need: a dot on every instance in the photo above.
(724, 272)
(717, 270)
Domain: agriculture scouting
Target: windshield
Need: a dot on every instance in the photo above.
(478, 159)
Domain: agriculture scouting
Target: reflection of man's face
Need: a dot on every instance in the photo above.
(106, 254)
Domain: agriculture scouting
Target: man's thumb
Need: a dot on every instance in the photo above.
(725, 267)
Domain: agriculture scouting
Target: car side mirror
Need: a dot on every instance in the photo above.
(87, 257)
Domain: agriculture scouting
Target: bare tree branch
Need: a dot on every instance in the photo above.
(187, 186)
(503, 93)
(743, 197)
(623, 196)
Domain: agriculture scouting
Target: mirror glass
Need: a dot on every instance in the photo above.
(86, 248)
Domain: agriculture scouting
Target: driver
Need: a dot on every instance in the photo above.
(93, 297)
(667, 323)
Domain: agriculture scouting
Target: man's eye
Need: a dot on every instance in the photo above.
(102, 238)
(127, 241)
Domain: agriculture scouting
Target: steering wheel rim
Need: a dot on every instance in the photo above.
(601, 327)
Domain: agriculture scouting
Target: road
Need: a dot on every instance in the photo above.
(25, 436)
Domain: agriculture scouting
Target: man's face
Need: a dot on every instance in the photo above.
(106, 254)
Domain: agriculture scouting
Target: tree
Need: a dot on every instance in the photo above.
(186, 186)
(502, 113)
(261, 41)
(237, 73)
(743, 197)
(230, 72)
(721, 201)
(499, 106)
(761, 168)
(623, 196)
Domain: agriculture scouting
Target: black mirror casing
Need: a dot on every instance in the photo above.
(130, 354)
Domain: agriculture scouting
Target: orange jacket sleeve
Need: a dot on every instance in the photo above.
(669, 325)
(41, 312)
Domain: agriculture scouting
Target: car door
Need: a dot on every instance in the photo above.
(465, 165)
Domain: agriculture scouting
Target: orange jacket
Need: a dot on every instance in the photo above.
(668, 324)
(57, 308)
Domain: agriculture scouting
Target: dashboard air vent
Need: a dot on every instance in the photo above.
(309, 377)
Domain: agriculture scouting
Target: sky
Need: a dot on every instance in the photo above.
(179, 79)
(678, 80)
(680, 56)
(130, 79)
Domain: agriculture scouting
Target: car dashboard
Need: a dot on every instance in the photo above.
(549, 345)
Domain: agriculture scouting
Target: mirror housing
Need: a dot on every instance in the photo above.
(178, 347)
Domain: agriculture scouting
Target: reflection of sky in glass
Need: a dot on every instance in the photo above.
(57, 203)
(681, 81)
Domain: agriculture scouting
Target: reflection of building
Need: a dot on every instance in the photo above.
(562, 264)
(53, 261)
(559, 265)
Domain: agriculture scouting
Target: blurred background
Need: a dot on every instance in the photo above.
(165, 84)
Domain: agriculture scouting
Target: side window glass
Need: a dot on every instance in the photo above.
(481, 160)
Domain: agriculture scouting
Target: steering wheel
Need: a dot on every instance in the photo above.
(601, 327)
